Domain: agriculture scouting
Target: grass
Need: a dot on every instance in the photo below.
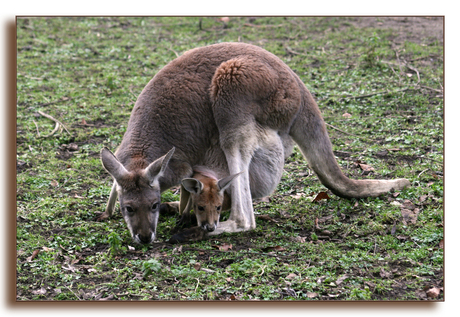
(86, 72)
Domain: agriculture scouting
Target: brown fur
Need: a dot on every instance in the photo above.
(232, 107)
(206, 195)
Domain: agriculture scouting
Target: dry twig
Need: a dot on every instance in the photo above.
(58, 123)
(357, 136)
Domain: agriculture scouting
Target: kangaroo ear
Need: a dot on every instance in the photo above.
(157, 168)
(192, 185)
(112, 164)
(223, 183)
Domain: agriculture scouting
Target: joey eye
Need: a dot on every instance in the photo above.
(200, 208)
(155, 206)
(219, 208)
(129, 209)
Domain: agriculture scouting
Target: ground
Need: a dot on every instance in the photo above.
(379, 84)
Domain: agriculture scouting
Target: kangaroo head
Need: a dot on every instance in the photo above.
(207, 197)
(138, 193)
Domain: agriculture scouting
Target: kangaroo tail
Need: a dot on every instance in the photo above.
(309, 132)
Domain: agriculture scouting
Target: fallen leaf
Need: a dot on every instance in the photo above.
(421, 294)
(298, 195)
(223, 247)
(316, 224)
(393, 230)
(433, 292)
(46, 249)
(366, 168)
(83, 121)
(54, 183)
(312, 295)
(197, 266)
(422, 198)
(290, 276)
(34, 254)
(441, 244)
(384, 274)
(346, 115)
(407, 204)
(321, 195)
(40, 291)
(341, 279)
(299, 239)
(232, 297)
(225, 19)
(410, 216)
(177, 250)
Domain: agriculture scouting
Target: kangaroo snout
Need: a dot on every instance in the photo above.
(208, 227)
(144, 239)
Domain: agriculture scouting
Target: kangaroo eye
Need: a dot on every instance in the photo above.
(155, 206)
(219, 208)
(129, 209)
(200, 208)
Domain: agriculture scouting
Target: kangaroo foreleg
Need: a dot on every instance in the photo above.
(110, 207)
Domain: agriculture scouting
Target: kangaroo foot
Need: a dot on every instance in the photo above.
(229, 226)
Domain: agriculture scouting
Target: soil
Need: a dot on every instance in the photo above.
(413, 29)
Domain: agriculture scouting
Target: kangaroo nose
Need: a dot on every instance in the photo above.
(144, 239)
(210, 227)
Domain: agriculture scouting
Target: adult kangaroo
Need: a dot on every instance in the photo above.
(233, 107)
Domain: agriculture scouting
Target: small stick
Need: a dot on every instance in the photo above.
(55, 120)
(36, 126)
(437, 90)
(294, 52)
(415, 70)
(197, 284)
(177, 54)
(357, 136)
(56, 127)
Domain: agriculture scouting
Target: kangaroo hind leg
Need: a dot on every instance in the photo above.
(234, 90)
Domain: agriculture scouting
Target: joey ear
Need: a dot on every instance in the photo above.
(157, 168)
(192, 185)
(223, 183)
(112, 164)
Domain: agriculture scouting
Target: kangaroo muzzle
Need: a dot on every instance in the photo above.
(208, 226)
(144, 239)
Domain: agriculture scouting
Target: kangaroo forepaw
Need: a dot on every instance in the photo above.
(101, 216)
(189, 234)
